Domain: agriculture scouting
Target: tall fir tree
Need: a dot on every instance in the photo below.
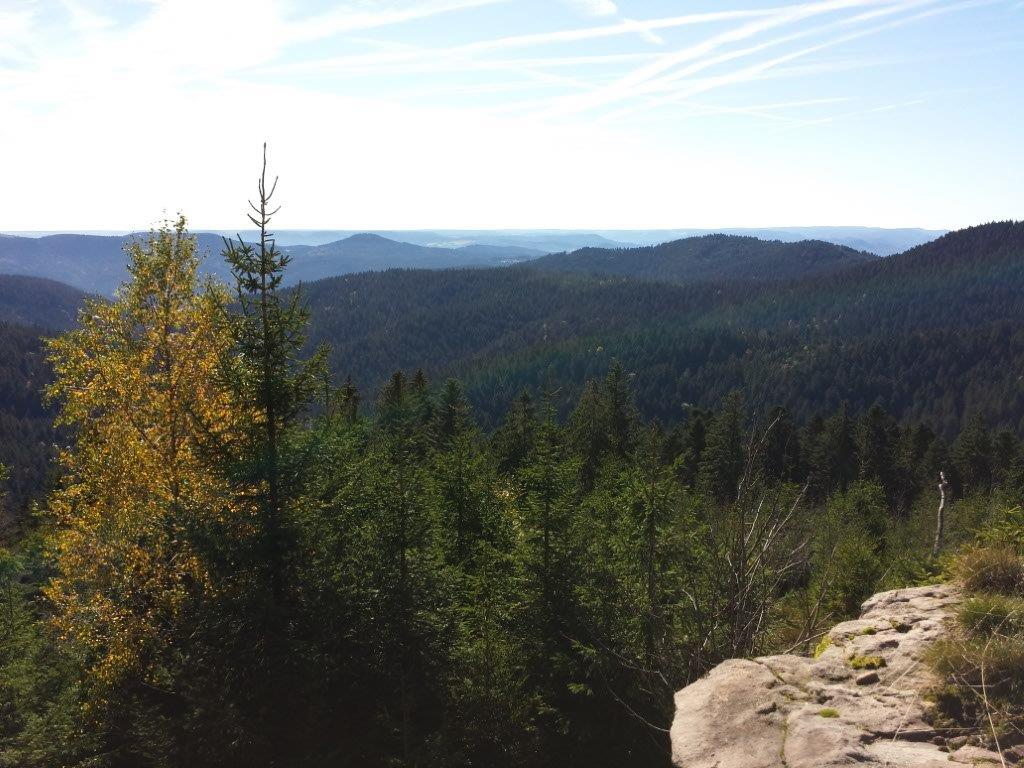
(722, 463)
(272, 385)
(270, 380)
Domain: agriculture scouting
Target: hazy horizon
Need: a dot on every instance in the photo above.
(113, 232)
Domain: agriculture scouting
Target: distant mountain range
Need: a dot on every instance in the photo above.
(91, 263)
(366, 252)
(877, 240)
(96, 263)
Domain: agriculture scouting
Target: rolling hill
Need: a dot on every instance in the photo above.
(932, 334)
(711, 257)
(367, 252)
(878, 240)
(91, 263)
(35, 301)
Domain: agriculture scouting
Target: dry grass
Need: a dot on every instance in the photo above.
(991, 569)
(985, 615)
(982, 663)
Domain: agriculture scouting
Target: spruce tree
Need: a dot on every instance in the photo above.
(972, 453)
(514, 439)
(722, 462)
(272, 383)
(833, 456)
(876, 447)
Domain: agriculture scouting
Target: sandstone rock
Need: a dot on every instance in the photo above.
(976, 756)
(797, 712)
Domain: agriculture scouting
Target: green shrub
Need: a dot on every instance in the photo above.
(996, 568)
(1005, 529)
(829, 712)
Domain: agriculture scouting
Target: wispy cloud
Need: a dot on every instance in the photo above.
(642, 88)
(593, 7)
(15, 29)
(857, 113)
(637, 81)
(770, 111)
(680, 84)
(352, 19)
(468, 51)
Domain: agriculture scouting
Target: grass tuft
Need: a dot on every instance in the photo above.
(990, 569)
(991, 614)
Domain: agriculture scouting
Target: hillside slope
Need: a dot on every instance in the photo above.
(711, 258)
(961, 280)
(38, 302)
(26, 424)
(933, 334)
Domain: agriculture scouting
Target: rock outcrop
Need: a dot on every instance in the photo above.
(858, 703)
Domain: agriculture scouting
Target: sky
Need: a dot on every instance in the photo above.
(588, 114)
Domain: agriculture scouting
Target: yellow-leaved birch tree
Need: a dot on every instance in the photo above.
(136, 382)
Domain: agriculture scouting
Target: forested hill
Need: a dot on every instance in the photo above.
(30, 308)
(961, 280)
(93, 263)
(363, 252)
(39, 302)
(932, 334)
(453, 320)
(711, 257)
(26, 424)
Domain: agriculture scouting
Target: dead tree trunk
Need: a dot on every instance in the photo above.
(940, 517)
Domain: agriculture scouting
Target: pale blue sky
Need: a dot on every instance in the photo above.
(514, 113)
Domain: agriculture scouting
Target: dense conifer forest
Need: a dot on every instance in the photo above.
(932, 334)
(244, 560)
